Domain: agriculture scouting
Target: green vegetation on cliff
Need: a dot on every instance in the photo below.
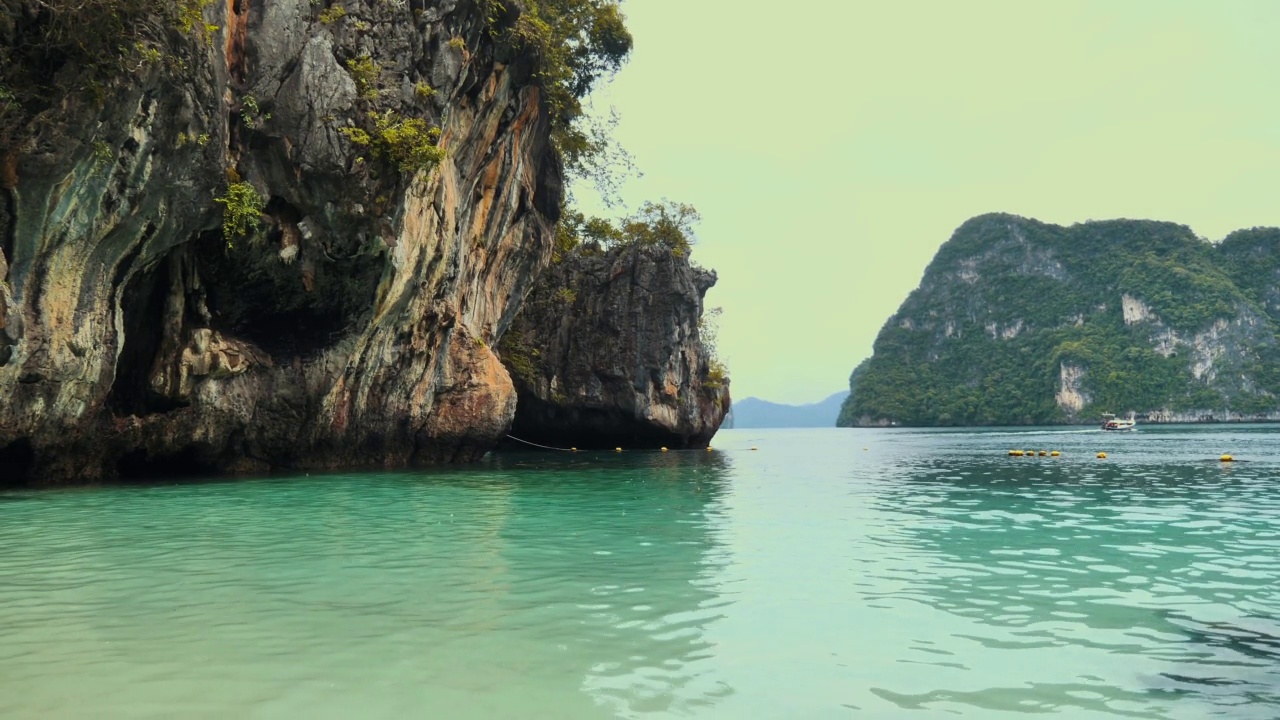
(40, 39)
(241, 210)
(667, 224)
(576, 43)
(1020, 322)
(573, 44)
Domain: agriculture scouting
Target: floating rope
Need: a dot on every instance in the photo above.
(574, 450)
(544, 447)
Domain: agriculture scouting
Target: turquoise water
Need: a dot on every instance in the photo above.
(926, 575)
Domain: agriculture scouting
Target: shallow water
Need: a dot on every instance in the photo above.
(833, 573)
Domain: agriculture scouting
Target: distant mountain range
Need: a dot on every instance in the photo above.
(756, 413)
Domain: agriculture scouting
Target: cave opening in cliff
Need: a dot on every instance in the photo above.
(6, 347)
(16, 461)
(140, 465)
(586, 428)
(290, 297)
(142, 304)
(8, 225)
(8, 208)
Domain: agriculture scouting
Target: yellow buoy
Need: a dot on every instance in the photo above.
(664, 449)
(1227, 458)
(1102, 456)
(1043, 453)
(573, 449)
(1054, 453)
(1015, 453)
(617, 449)
(755, 448)
(1031, 453)
(708, 448)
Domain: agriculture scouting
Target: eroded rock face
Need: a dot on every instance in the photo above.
(354, 330)
(606, 353)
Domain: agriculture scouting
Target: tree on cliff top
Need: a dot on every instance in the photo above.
(590, 44)
(576, 43)
(664, 224)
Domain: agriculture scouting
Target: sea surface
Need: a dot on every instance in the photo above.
(827, 574)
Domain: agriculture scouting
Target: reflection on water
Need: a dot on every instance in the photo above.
(645, 577)
(575, 586)
(887, 573)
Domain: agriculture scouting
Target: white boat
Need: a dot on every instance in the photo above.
(1112, 423)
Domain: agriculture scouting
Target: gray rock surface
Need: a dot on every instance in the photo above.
(607, 353)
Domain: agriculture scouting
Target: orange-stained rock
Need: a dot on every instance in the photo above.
(352, 330)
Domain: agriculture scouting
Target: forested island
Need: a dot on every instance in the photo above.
(1022, 322)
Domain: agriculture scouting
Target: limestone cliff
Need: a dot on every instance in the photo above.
(607, 353)
(353, 327)
(1022, 322)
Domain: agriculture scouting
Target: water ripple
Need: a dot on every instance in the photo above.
(927, 573)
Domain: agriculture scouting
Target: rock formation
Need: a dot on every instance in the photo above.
(1022, 322)
(607, 353)
(353, 327)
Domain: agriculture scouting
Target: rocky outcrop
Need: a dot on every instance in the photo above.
(607, 353)
(353, 328)
(1134, 310)
(1022, 322)
(1071, 396)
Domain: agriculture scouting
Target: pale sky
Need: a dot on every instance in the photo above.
(832, 145)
